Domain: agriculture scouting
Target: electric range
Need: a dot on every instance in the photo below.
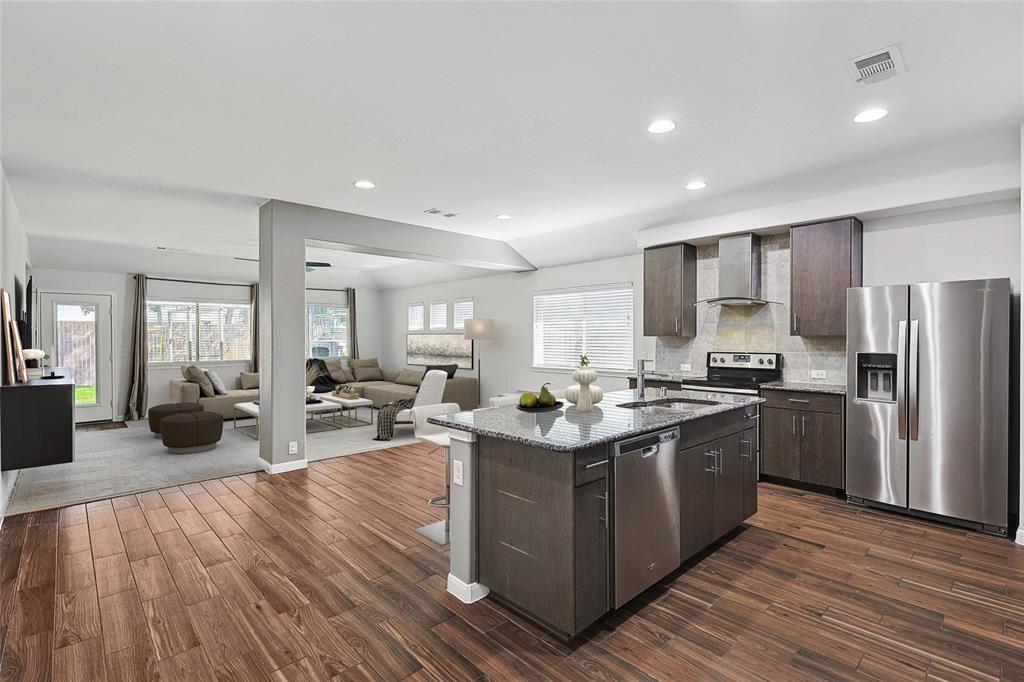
(737, 372)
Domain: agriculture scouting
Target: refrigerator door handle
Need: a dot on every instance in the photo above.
(901, 382)
(912, 380)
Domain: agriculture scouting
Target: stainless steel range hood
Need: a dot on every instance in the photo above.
(739, 271)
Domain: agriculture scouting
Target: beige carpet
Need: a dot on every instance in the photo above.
(122, 461)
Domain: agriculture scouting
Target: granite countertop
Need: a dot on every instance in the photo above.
(805, 387)
(566, 429)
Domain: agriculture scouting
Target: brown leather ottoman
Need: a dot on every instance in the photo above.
(157, 413)
(191, 432)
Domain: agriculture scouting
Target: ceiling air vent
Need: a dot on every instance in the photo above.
(438, 211)
(876, 66)
(433, 211)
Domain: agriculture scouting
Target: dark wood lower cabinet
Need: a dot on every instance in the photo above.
(717, 489)
(591, 550)
(806, 444)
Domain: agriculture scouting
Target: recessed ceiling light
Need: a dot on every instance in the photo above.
(869, 115)
(503, 216)
(696, 184)
(662, 125)
(363, 184)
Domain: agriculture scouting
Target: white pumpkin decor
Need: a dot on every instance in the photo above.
(583, 395)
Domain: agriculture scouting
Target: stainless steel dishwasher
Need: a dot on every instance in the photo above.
(646, 512)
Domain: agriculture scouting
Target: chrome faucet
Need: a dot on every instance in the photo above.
(640, 378)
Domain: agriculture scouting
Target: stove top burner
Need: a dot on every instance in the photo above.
(739, 371)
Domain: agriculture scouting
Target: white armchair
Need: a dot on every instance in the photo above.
(431, 392)
(437, 435)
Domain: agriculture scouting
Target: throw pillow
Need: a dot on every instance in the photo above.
(409, 377)
(198, 376)
(363, 362)
(218, 384)
(249, 380)
(450, 369)
(368, 373)
(343, 375)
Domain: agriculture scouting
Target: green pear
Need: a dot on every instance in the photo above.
(528, 399)
(546, 398)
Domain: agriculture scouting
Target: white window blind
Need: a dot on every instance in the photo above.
(415, 317)
(327, 331)
(462, 310)
(596, 322)
(439, 315)
(188, 331)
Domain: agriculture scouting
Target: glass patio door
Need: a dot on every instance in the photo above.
(76, 332)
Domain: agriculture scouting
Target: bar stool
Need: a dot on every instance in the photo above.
(437, 435)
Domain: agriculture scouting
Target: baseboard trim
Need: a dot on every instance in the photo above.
(283, 466)
(1020, 536)
(467, 593)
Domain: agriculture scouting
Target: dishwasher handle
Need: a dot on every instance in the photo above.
(647, 444)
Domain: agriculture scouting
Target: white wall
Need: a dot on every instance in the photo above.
(508, 299)
(14, 260)
(967, 242)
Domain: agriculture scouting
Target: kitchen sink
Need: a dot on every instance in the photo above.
(667, 402)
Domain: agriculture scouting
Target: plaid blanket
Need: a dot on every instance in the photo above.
(386, 417)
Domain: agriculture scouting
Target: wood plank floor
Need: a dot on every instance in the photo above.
(319, 574)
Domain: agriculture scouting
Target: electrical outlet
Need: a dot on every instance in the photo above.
(457, 472)
(686, 367)
(818, 374)
(293, 447)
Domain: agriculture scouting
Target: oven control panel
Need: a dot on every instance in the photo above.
(745, 360)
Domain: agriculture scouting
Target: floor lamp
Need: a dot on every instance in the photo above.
(478, 329)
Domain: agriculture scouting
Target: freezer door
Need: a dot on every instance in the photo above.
(876, 448)
(958, 399)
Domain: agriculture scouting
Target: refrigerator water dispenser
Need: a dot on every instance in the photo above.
(876, 377)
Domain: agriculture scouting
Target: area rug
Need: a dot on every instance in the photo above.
(115, 462)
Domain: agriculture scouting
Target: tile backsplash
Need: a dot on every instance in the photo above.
(753, 328)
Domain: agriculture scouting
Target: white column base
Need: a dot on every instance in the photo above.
(283, 466)
(465, 592)
(1020, 536)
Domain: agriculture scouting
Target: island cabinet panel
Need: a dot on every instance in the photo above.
(748, 461)
(591, 551)
(825, 260)
(670, 287)
(543, 542)
(717, 489)
(696, 499)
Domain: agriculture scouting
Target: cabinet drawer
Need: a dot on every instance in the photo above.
(798, 400)
(591, 464)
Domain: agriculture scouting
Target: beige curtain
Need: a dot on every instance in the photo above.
(138, 372)
(254, 299)
(354, 341)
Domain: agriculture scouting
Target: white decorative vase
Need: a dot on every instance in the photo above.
(583, 395)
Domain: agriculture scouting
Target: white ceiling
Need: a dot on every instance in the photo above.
(169, 123)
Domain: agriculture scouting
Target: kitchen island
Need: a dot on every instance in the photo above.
(564, 515)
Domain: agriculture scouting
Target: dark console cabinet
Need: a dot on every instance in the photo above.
(37, 423)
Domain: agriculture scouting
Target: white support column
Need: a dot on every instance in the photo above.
(282, 344)
(1020, 529)
(462, 576)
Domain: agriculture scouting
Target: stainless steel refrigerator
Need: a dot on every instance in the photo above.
(927, 401)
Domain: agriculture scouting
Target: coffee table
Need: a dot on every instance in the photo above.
(315, 413)
(349, 405)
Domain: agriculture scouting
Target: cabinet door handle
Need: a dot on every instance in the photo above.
(794, 424)
(796, 323)
(596, 464)
(797, 400)
(803, 426)
(677, 325)
(714, 467)
(604, 499)
(750, 450)
(719, 458)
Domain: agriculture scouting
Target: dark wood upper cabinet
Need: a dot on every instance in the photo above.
(670, 290)
(825, 260)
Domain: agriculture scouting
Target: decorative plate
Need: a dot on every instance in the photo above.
(554, 407)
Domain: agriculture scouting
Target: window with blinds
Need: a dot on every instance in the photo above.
(596, 322)
(189, 331)
(462, 310)
(439, 315)
(415, 317)
(327, 331)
